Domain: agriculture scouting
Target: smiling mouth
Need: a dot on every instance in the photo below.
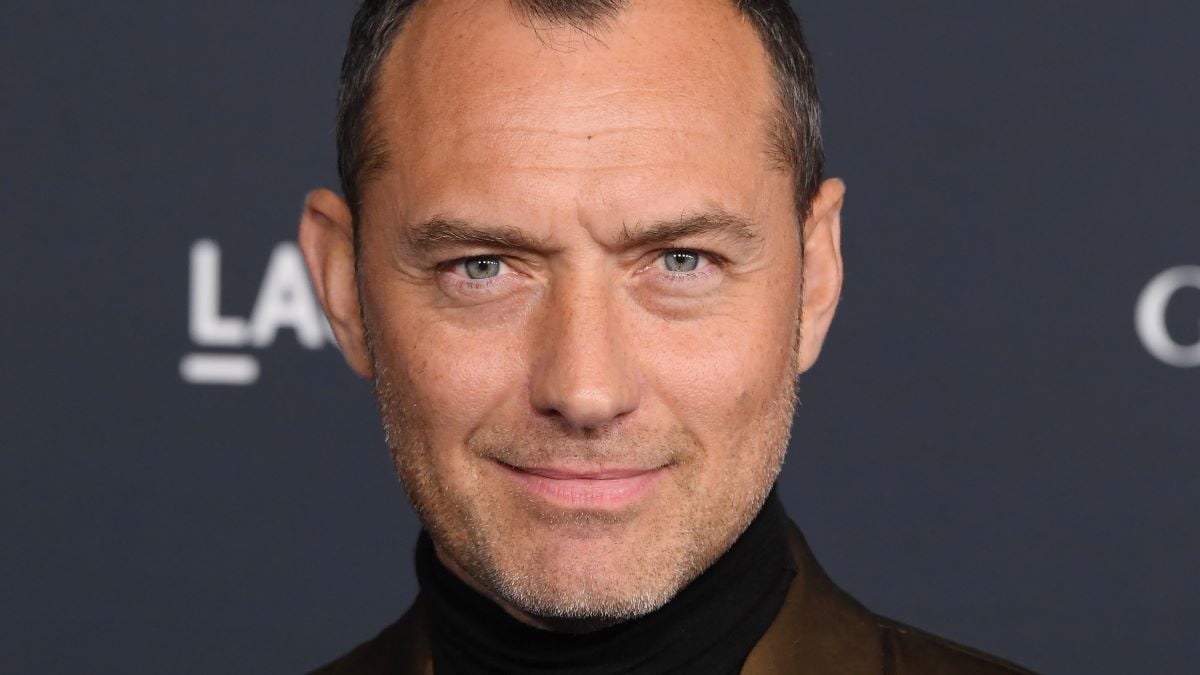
(596, 488)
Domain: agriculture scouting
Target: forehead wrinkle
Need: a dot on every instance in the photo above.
(379, 159)
(574, 109)
(593, 150)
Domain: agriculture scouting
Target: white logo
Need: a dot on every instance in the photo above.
(285, 300)
(1150, 316)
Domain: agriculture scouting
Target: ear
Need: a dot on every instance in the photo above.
(327, 240)
(822, 270)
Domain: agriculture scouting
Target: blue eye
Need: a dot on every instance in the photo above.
(481, 268)
(681, 260)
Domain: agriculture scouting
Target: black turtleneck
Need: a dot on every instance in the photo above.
(708, 627)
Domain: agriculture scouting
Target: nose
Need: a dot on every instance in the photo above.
(582, 370)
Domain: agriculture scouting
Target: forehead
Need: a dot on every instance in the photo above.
(473, 92)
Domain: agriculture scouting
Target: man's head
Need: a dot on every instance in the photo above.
(573, 270)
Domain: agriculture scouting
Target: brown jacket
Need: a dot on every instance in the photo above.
(820, 630)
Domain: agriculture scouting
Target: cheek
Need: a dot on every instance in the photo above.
(455, 376)
(721, 374)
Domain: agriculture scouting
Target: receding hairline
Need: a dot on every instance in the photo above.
(540, 15)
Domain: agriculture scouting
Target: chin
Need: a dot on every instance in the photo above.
(588, 573)
(585, 594)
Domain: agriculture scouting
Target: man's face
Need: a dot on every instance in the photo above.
(580, 278)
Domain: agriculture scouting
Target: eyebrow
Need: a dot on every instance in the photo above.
(711, 222)
(440, 232)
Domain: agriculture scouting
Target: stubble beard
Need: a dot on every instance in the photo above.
(496, 557)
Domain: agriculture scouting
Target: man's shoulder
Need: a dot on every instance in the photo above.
(908, 650)
(822, 628)
(402, 647)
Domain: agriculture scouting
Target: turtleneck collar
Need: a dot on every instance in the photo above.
(708, 627)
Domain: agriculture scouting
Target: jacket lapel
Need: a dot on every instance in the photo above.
(820, 629)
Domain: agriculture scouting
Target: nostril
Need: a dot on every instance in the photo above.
(585, 395)
(588, 409)
(582, 373)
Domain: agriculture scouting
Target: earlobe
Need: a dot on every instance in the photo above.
(822, 270)
(327, 241)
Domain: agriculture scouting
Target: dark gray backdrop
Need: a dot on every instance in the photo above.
(986, 449)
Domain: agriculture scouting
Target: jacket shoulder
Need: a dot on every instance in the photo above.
(823, 629)
(400, 649)
(909, 651)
